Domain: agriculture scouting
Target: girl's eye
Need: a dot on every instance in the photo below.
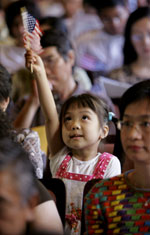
(85, 117)
(66, 119)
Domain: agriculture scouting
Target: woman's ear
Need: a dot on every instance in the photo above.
(105, 131)
(71, 57)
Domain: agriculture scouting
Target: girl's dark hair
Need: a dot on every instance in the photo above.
(129, 52)
(137, 92)
(87, 100)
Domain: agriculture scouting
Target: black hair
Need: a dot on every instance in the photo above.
(58, 39)
(91, 3)
(5, 84)
(87, 100)
(55, 23)
(100, 5)
(6, 128)
(15, 160)
(129, 52)
(135, 93)
(14, 9)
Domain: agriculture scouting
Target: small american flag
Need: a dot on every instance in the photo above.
(32, 32)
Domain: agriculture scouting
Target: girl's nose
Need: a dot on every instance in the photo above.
(76, 126)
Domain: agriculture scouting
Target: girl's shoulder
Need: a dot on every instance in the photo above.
(113, 165)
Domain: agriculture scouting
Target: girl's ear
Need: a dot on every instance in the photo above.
(105, 131)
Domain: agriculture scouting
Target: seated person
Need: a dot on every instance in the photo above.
(12, 56)
(46, 205)
(101, 51)
(120, 205)
(136, 49)
(19, 193)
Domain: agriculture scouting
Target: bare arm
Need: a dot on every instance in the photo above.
(47, 102)
(47, 217)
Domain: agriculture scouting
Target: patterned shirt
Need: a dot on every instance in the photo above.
(113, 206)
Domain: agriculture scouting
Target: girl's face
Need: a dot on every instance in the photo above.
(81, 128)
(135, 133)
(140, 37)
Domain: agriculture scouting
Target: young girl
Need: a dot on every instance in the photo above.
(74, 142)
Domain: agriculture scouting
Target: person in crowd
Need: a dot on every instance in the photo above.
(71, 8)
(5, 90)
(83, 124)
(19, 192)
(85, 20)
(143, 3)
(102, 50)
(30, 142)
(120, 205)
(27, 137)
(12, 56)
(141, 91)
(50, 7)
(58, 24)
(136, 49)
(59, 60)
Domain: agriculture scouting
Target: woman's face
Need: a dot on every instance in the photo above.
(140, 37)
(135, 133)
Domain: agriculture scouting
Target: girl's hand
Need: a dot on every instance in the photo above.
(34, 62)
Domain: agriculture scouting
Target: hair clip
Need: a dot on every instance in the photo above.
(110, 116)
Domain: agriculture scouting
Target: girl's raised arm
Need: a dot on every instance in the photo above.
(47, 102)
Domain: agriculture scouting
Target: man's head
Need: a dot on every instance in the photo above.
(18, 188)
(5, 88)
(58, 57)
(114, 14)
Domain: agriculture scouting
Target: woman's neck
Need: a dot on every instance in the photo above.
(141, 68)
(143, 62)
(139, 178)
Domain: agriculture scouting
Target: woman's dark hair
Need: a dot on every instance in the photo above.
(130, 54)
(137, 92)
(93, 102)
(14, 9)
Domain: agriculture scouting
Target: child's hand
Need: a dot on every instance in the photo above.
(34, 62)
